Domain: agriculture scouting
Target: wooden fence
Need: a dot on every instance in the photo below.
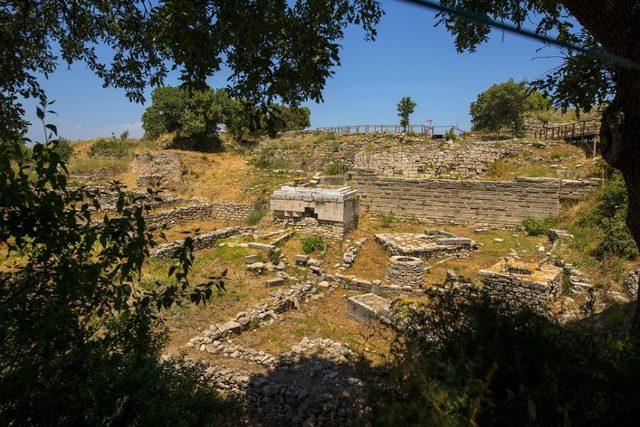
(570, 131)
(584, 134)
(374, 129)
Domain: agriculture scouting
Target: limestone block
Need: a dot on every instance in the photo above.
(368, 307)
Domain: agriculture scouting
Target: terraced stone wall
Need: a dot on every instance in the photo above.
(480, 203)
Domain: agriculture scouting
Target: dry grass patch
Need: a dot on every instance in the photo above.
(325, 317)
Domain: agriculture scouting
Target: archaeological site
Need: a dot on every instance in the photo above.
(316, 260)
(319, 213)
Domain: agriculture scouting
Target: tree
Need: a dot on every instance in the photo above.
(273, 49)
(80, 337)
(406, 107)
(193, 115)
(243, 119)
(77, 332)
(504, 105)
(582, 80)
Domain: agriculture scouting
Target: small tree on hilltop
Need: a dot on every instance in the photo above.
(503, 106)
(406, 107)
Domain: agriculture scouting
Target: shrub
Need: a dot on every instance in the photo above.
(81, 343)
(266, 160)
(387, 220)
(482, 363)
(337, 168)
(609, 215)
(108, 147)
(313, 244)
(64, 149)
(616, 239)
(538, 227)
(257, 213)
(451, 134)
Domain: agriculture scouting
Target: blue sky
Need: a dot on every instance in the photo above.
(409, 58)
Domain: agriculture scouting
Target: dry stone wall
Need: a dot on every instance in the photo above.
(392, 157)
(484, 203)
(202, 241)
(435, 159)
(224, 211)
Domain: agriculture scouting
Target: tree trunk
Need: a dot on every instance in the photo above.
(620, 146)
(614, 24)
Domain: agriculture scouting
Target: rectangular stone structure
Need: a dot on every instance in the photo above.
(368, 307)
(523, 284)
(331, 212)
(430, 244)
(477, 203)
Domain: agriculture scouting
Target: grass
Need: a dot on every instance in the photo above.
(84, 164)
(558, 160)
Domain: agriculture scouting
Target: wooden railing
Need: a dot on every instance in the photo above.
(571, 131)
(371, 129)
(583, 134)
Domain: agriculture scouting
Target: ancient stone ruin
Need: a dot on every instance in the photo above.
(368, 307)
(405, 271)
(157, 167)
(332, 213)
(431, 244)
(523, 284)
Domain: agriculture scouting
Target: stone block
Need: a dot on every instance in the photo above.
(368, 307)
(251, 259)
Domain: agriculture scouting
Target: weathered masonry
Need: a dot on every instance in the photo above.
(523, 285)
(485, 203)
(329, 212)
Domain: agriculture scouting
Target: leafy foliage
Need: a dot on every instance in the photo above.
(108, 147)
(64, 149)
(504, 105)
(387, 220)
(257, 213)
(478, 363)
(79, 339)
(193, 115)
(274, 50)
(406, 107)
(608, 215)
(337, 168)
(313, 244)
(243, 120)
(538, 227)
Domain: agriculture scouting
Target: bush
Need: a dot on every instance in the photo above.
(387, 220)
(266, 160)
(538, 227)
(616, 241)
(481, 363)
(337, 168)
(64, 149)
(257, 213)
(451, 134)
(313, 244)
(108, 147)
(609, 215)
(81, 342)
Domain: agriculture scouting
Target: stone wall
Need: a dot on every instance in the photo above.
(201, 241)
(522, 287)
(485, 203)
(435, 159)
(223, 211)
(394, 156)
